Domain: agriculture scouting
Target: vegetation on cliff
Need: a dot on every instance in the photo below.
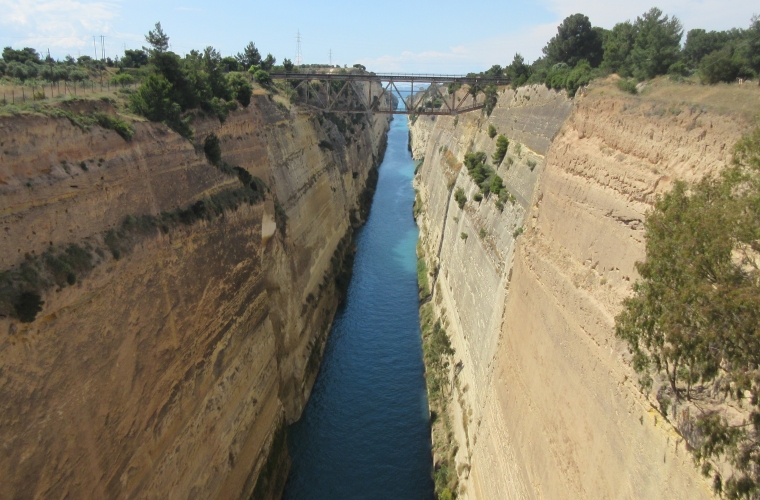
(642, 49)
(437, 352)
(502, 145)
(694, 317)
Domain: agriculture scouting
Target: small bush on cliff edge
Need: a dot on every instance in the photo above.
(118, 125)
(153, 101)
(212, 147)
(27, 306)
(502, 144)
(460, 197)
(627, 86)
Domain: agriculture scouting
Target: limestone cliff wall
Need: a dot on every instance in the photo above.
(546, 404)
(171, 371)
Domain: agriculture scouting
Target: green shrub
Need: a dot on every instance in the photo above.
(423, 287)
(241, 88)
(531, 164)
(445, 494)
(627, 85)
(491, 131)
(27, 306)
(463, 236)
(116, 124)
(460, 197)
(578, 77)
(517, 232)
(122, 79)
(212, 147)
(718, 66)
(476, 167)
(478, 197)
(152, 100)
(679, 68)
(483, 233)
(497, 184)
(491, 97)
(502, 144)
(262, 77)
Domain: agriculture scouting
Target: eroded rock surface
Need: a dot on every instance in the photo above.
(168, 372)
(546, 404)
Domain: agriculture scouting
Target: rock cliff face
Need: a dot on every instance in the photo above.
(170, 372)
(545, 403)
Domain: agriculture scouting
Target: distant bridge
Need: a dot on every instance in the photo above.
(329, 92)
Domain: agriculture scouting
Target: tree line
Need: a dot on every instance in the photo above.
(642, 49)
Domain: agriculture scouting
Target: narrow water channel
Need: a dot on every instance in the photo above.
(364, 433)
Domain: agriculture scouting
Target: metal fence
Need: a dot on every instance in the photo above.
(21, 94)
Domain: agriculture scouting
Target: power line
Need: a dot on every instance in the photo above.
(299, 56)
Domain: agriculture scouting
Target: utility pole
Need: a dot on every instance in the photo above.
(103, 58)
(94, 47)
(299, 56)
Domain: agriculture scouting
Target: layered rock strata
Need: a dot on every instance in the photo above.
(171, 371)
(544, 400)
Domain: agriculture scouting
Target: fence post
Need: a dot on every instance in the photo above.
(23, 95)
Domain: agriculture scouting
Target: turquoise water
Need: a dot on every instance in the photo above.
(364, 433)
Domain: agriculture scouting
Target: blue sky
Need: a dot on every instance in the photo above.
(393, 35)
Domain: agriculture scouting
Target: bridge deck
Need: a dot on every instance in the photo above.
(390, 77)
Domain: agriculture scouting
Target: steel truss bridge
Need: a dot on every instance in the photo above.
(380, 93)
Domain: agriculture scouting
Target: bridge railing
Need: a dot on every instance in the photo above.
(394, 77)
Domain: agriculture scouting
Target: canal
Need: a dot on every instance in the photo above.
(365, 432)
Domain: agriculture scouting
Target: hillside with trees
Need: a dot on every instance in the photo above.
(652, 45)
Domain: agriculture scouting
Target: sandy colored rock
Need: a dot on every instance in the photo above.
(167, 373)
(553, 408)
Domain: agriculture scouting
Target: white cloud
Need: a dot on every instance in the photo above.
(473, 56)
(62, 24)
(481, 54)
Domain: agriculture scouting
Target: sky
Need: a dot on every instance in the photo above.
(391, 36)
